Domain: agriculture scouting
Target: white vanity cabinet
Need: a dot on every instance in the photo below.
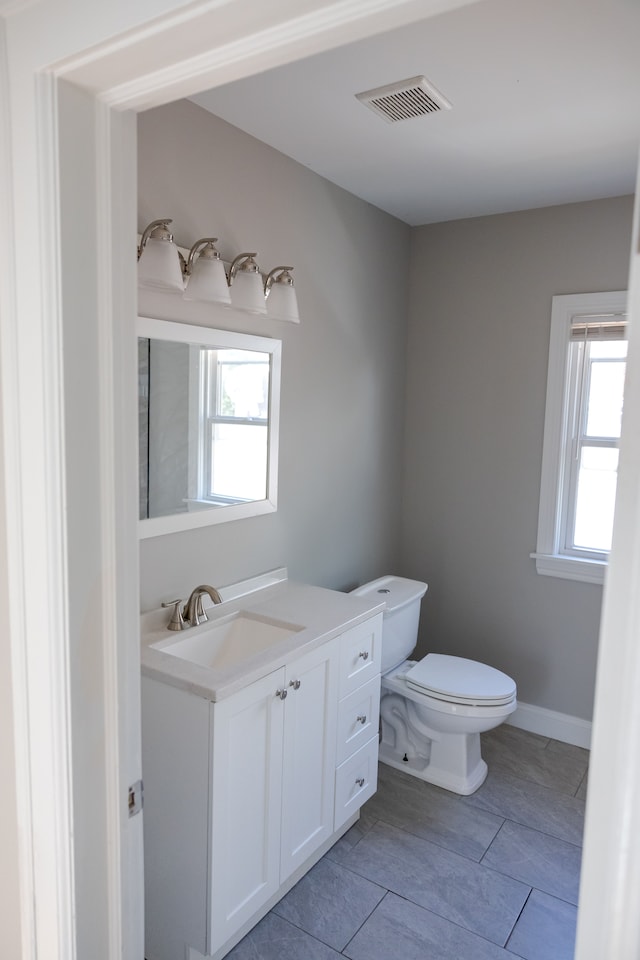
(244, 794)
(272, 784)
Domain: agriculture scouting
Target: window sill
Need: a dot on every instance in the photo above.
(570, 568)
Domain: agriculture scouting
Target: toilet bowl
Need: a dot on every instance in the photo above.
(433, 710)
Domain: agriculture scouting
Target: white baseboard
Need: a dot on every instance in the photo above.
(549, 723)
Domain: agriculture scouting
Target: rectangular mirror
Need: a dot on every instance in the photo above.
(208, 416)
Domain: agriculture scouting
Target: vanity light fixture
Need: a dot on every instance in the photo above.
(245, 282)
(280, 294)
(159, 263)
(205, 275)
(199, 274)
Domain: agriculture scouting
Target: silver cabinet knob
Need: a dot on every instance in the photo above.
(364, 654)
(360, 781)
(362, 719)
(295, 684)
(282, 694)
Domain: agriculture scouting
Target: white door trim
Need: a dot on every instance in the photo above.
(36, 547)
(214, 42)
(116, 156)
(68, 43)
(608, 917)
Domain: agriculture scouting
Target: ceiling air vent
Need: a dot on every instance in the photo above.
(408, 98)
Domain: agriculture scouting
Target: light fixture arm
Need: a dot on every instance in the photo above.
(277, 275)
(208, 252)
(244, 262)
(157, 230)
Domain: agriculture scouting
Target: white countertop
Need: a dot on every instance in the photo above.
(323, 614)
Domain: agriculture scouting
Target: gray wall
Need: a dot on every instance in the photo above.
(474, 383)
(480, 307)
(338, 519)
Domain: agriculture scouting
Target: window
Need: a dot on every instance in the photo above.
(587, 362)
(234, 425)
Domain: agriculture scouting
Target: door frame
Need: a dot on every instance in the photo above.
(122, 60)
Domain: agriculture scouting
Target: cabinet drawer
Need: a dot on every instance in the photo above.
(358, 717)
(360, 654)
(356, 781)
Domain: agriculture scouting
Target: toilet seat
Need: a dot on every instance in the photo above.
(457, 680)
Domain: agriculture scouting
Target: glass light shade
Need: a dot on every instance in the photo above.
(159, 266)
(247, 292)
(208, 282)
(282, 303)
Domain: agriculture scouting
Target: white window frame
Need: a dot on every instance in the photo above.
(209, 415)
(552, 558)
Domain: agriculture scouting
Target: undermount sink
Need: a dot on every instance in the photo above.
(229, 641)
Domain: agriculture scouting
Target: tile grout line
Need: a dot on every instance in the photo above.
(527, 826)
(508, 771)
(480, 861)
(579, 787)
(506, 943)
(543, 833)
(454, 923)
(439, 843)
(524, 883)
(381, 900)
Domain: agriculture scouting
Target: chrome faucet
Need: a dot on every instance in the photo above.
(194, 612)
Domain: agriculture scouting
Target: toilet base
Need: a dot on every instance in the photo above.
(463, 783)
(434, 741)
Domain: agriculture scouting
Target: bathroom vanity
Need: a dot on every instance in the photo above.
(260, 744)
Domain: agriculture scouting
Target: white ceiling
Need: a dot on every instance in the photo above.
(545, 101)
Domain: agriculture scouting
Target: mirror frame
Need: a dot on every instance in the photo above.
(209, 337)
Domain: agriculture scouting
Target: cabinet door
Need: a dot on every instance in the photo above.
(309, 755)
(246, 796)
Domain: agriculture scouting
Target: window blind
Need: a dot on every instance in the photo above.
(598, 326)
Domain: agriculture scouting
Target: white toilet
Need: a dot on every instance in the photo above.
(434, 710)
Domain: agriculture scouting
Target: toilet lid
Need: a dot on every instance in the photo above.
(461, 681)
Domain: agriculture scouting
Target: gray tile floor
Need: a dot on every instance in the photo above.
(428, 875)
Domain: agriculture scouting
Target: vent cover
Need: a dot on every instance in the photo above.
(407, 98)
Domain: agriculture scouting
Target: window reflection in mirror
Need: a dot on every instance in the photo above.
(208, 405)
(234, 425)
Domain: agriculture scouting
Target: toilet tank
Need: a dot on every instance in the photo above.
(400, 618)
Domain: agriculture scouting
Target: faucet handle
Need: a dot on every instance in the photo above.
(176, 622)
